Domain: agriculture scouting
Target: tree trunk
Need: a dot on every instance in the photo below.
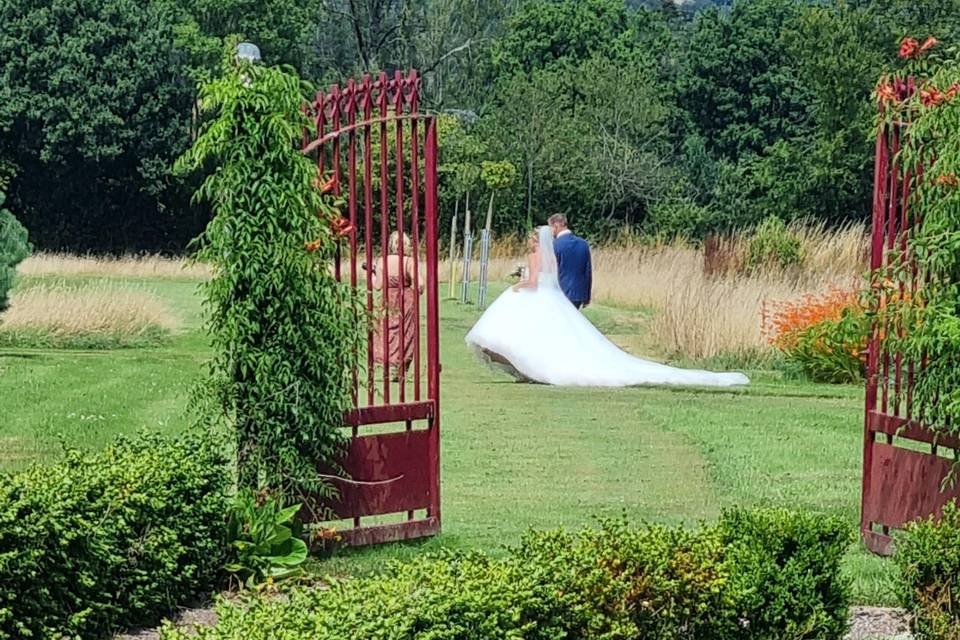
(530, 194)
(466, 219)
(453, 248)
(490, 211)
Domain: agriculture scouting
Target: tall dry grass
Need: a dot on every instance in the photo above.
(715, 313)
(708, 314)
(98, 315)
(707, 306)
(148, 266)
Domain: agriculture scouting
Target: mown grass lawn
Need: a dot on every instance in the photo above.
(514, 456)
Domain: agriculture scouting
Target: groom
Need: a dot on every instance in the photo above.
(573, 262)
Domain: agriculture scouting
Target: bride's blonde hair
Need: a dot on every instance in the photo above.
(533, 239)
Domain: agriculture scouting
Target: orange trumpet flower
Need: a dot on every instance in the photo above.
(909, 47)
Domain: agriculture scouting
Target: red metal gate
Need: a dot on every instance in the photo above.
(381, 154)
(903, 469)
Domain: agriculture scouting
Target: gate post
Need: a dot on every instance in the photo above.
(433, 320)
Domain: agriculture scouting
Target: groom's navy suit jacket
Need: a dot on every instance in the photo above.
(573, 263)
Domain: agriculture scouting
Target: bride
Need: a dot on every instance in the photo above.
(534, 333)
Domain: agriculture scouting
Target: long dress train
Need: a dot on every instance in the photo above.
(538, 335)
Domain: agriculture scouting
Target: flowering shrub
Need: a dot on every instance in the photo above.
(824, 336)
(923, 95)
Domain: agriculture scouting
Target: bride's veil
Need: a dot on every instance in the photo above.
(548, 259)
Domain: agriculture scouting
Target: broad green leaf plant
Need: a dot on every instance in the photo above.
(286, 334)
(265, 539)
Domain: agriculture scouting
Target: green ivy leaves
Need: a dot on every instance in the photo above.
(286, 334)
(924, 324)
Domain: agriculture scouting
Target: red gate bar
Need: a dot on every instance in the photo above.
(393, 457)
(903, 471)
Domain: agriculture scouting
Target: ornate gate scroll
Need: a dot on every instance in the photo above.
(381, 154)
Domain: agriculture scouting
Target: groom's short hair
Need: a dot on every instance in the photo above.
(557, 218)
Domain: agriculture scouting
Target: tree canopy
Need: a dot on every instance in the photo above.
(668, 117)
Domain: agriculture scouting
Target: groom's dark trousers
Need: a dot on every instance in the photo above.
(573, 263)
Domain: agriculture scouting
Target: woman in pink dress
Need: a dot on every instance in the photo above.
(395, 332)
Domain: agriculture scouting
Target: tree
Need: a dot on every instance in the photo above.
(496, 176)
(94, 107)
(14, 248)
(522, 127)
(461, 154)
(739, 90)
(839, 53)
(543, 34)
(590, 138)
(625, 119)
(938, 18)
(282, 29)
(442, 39)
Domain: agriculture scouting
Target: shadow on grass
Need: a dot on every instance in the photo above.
(20, 356)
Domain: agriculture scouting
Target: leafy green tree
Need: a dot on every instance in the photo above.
(624, 116)
(94, 107)
(285, 333)
(597, 148)
(543, 34)
(282, 29)
(524, 129)
(839, 53)
(462, 153)
(497, 176)
(740, 91)
(445, 40)
(14, 248)
(938, 18)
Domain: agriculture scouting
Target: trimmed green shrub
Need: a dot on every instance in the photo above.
(755, 575)
(451, 597)
(928, 556)
(650, 582)
(784, 573)
(105, 541)
(14, 248)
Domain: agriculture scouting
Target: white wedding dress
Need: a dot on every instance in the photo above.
(537, 335)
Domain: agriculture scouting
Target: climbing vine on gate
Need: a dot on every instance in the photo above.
(925, 326)
(284, 330)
